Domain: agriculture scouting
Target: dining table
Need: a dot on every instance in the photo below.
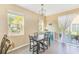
(39, 40)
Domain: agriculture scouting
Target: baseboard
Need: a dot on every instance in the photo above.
(17, 48)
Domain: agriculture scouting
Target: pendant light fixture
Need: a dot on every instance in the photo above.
(42, 18)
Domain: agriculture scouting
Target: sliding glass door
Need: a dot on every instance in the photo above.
(69, 28)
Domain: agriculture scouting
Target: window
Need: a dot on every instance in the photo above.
(15, 24)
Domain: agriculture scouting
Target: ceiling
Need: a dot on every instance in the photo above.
(50, 8)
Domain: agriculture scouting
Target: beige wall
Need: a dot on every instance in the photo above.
(30, 23)
(54, 18)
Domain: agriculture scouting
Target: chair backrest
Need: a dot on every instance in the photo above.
(46, 35)
(30, 37)
(5, 45)
(36, 34)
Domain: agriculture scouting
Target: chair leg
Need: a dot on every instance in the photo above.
(47, 43)
(33, 50)
(38, 47)
(30, 47)
(43, 47)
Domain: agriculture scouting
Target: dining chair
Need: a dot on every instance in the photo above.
(45, 42)
(33, 44)
(5, 45)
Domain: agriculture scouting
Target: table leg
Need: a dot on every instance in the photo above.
(49, 41)
(38, 47)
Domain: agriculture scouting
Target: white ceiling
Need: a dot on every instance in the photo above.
(50, 8)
